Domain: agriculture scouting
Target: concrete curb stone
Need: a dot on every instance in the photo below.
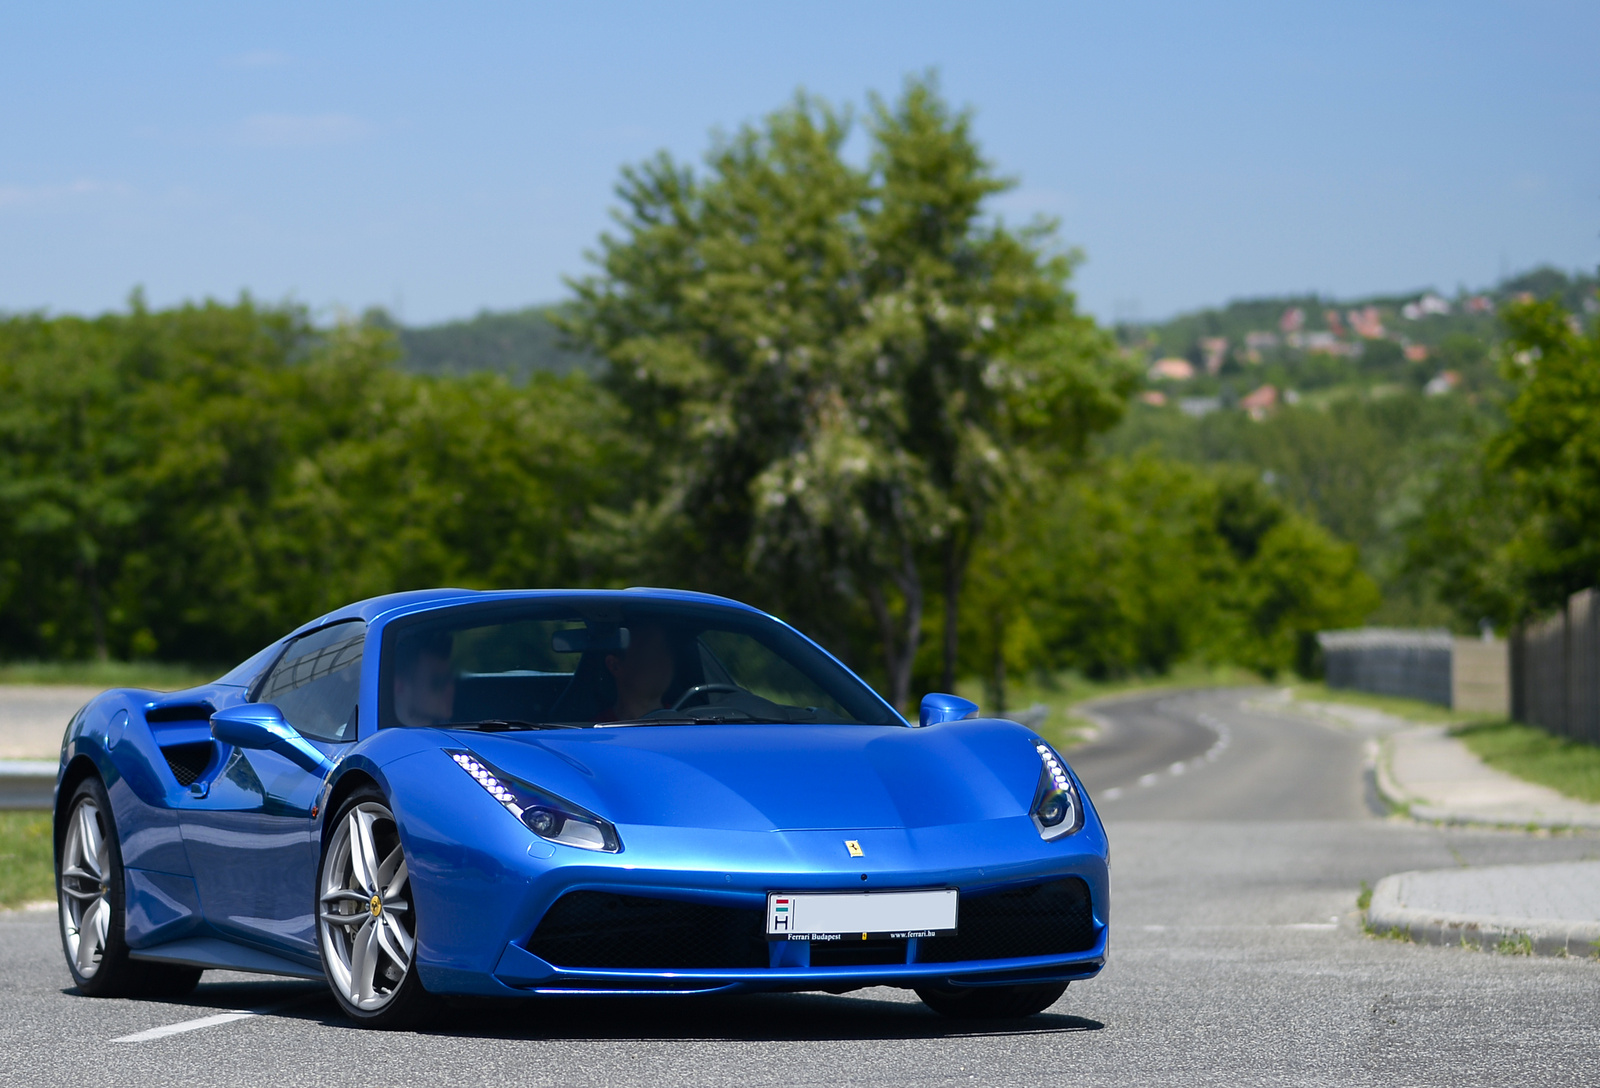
(1407, 801)
(1390, 912)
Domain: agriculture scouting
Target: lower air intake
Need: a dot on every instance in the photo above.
(600, 930)
(1038, 920)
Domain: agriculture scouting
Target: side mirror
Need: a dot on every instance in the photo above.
(261, 726)
(938, 708)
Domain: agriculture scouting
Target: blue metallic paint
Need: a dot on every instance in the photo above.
(223, 874)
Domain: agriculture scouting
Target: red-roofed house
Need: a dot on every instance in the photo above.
(1171, 369)
(1260, 401)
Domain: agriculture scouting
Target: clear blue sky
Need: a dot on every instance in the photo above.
(438, 159)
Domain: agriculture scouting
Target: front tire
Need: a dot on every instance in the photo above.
(91, 894)
(366, 919)
(991, 1002)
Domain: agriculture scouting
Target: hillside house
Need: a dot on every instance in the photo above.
(1260, 401)
(1172, 369)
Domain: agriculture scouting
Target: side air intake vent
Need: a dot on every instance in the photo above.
(180, 712)
(188, 761)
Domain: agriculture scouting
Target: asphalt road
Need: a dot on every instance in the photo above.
(1239, 847)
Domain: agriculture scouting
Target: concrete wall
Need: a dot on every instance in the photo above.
(1389, 661)
(1480, 677)
(1469, 675)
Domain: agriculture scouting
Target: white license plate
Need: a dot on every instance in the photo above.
(860, 916)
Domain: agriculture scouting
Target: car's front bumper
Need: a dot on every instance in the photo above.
(514, 969)
(480, 905)
(520, 971)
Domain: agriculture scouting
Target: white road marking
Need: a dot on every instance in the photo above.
(1220, 745)
(183, 1026)
(152, 1034)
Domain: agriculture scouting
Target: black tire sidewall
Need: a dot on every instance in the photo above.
(412, 1001)
(992, 1002)
(116, 974)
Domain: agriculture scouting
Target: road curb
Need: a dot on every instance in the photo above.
(1388, 916)
(1408, 805)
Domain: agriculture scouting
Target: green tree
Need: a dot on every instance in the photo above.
(190, 483)
(1143, 562)
(836, 367)
(1549, 454)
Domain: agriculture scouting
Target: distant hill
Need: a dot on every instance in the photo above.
(1252, 353)
(515, 343)
(1352, 410)
(1231, 348)
(1314, 340)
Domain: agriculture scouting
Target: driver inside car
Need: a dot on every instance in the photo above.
(642, 672)
(424, 682)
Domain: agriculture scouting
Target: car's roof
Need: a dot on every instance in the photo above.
(422, 600)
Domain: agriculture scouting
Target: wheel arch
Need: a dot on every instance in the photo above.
(80, 768)
(348, 783)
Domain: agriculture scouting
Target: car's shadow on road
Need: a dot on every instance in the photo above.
(745, 1018)
(741, 1018)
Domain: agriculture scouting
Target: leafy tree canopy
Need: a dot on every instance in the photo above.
(839, 368)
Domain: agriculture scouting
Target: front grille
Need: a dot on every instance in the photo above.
(602, 930)
(188, 761)
(599, 929)
(1038, 920)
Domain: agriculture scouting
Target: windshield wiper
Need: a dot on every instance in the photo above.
(503, 725)
(739, 716)
(654, 721)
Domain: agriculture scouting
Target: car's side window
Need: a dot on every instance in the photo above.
(316, 680)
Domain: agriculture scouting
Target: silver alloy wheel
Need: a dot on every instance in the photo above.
(85, 888)
(367, 926)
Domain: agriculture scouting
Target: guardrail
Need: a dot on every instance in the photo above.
(27, 783)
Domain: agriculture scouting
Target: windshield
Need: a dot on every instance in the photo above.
(602, 663)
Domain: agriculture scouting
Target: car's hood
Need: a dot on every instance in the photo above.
(779, 777)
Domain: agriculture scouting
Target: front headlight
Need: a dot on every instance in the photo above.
(1056, 811)
(542, 812)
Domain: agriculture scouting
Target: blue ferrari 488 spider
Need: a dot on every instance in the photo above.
(575, 792)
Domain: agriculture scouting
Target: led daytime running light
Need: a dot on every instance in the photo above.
(488, 781)
(1052, 766)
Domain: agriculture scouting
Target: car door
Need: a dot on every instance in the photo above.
(247, 829)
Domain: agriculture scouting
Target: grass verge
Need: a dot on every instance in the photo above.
(26, 867)
(1061, 692)
(155, 675)
(1566, 766)
(1411, 709)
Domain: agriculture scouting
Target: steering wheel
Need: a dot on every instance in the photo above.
(702, 689)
